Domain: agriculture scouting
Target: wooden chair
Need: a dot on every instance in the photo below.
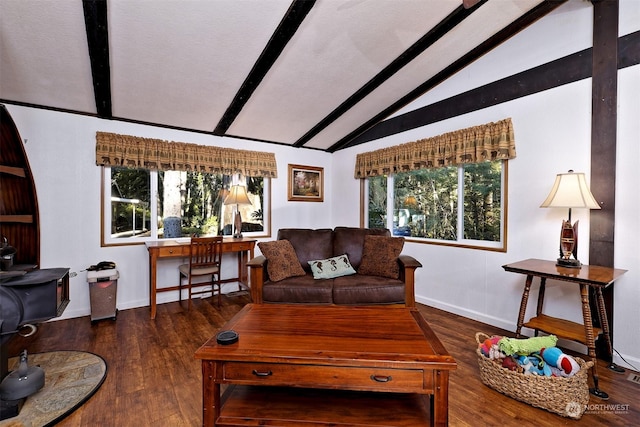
(204, 260)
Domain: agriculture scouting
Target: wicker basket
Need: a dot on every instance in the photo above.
(564, 396)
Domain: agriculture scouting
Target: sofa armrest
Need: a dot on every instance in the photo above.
(408, 265)
(257, 276)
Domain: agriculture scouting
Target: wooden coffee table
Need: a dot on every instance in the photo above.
(326, 365)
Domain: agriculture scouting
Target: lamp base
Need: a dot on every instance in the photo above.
(237, 225)
(568, 263)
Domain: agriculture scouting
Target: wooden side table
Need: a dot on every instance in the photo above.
(594, 276)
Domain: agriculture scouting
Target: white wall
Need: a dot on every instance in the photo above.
(61, 152)
(553, 134)
(552, 131)
(472, 282)
(627, 231)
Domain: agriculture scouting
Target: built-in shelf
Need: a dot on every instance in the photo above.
(11, 170)
(24, 219)
(19, 217)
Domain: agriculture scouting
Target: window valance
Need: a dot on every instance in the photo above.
(491, 141)
(136, 152)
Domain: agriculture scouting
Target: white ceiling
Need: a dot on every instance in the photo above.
(184, 64)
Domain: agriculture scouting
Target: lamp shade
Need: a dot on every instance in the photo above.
(237, 196)
(570, 190)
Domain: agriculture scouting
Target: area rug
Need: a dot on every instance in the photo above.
(71, 377)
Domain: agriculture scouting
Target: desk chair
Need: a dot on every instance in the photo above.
(204, 260)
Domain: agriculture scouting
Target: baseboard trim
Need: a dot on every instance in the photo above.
(507, 324)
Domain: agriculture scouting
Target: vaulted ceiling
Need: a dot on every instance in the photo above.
(303, 73)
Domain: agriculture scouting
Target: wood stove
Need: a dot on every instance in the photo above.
(27, 299)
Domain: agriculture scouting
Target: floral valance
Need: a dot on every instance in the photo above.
(135, 152)
(491, 141)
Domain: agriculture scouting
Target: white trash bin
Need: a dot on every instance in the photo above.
(103, 285)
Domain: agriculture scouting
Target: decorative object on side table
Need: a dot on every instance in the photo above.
(237, 196)
(570, 190)
(306, 184)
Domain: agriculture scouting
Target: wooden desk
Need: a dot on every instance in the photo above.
(593, 276)
(326, 366)
(176, 249)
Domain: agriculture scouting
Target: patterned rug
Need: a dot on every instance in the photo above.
(71, 377)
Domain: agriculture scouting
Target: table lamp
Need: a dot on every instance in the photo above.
(570, 190)
(237, 196)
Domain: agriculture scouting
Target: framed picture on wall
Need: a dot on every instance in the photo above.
(306, 184)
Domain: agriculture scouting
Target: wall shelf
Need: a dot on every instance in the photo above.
(19, 218)
(12, 170)
(24, 219)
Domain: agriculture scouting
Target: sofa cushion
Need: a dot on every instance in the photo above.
(309, 244)
(362, 289)
(350, 240)
(298, 290)
(331, 267)
(282, 261)
(380, 256)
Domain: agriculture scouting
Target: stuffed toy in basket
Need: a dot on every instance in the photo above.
(521, 370)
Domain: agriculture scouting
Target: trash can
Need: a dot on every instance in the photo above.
(103, 285)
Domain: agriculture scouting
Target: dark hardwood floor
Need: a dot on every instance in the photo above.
(153, 378)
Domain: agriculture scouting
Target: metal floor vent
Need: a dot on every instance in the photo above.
(634, 378)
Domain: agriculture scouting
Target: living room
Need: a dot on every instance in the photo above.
(552, 131)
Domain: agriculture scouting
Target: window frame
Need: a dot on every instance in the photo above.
(500, 246)
(105, 213)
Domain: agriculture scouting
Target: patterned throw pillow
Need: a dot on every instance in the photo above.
(282, 261)
(331, 267)
(380, 256)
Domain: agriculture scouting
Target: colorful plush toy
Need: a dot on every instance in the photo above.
(490, 349)
(540, 367)
(526, 346)
(534, 365)
(511, 364)
(566, 365)
(525, 364)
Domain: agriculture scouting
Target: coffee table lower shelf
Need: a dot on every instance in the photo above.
(288, 406)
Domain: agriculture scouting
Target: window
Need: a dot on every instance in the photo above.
(140, 205)
(461, 205)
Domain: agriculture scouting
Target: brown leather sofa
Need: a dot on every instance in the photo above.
(352, 289)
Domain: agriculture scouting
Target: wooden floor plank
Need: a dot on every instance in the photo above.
(154, 379)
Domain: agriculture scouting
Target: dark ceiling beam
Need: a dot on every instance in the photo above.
(286, 29)
(435, 34)
(569, 69)
(574, 67)
(95, 21)
(510, 30)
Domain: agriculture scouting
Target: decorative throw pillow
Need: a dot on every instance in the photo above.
(380, 256)
(331, 267)
(282, 261)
